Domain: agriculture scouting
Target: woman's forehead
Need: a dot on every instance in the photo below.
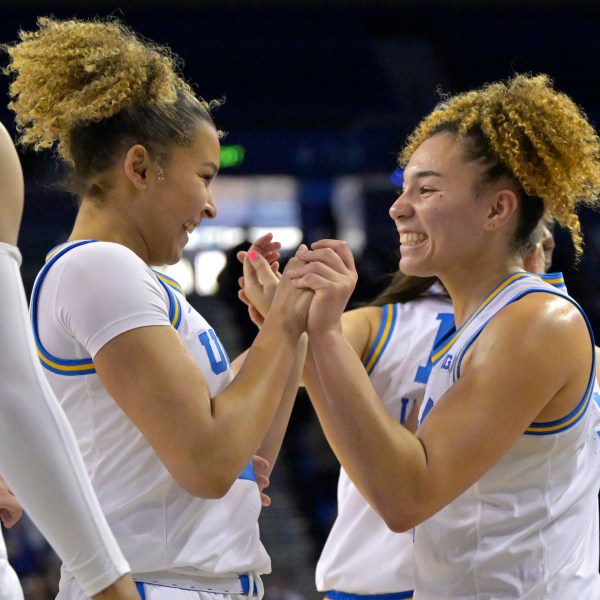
(436, 156)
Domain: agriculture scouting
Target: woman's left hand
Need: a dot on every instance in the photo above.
(10, 508)
(261, 470)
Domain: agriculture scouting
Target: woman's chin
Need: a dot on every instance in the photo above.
(413, 268)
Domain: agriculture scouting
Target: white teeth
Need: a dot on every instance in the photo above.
(190, 228)
(412, 239)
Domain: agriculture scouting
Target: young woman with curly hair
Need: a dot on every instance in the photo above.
(166, 431)
(501, 477)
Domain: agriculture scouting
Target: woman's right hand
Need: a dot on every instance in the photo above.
(328, 270)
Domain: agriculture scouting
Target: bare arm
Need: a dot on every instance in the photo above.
(204, 442)
(11, 189)
(271, 443)
(261, 282)
(258, 288)
(359, 327)
(453, 448)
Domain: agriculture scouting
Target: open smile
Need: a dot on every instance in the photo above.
(412, 239)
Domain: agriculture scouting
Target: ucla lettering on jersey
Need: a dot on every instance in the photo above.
(447, 362)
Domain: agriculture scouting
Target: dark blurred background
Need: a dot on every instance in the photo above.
(320, 97)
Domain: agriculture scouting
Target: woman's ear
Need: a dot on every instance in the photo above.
(136, 165)
(504, 205)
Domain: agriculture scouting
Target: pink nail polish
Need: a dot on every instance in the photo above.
(252, 255)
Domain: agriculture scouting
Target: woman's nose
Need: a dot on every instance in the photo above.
(210, 210)
(400, 207)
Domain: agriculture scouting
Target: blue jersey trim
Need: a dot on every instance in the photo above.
(459, 358)
(141, 591)
(335, 595)
(388, 320)
(555, 279)
(71, 367)
(169, 281)
(174, 304)
(245, 582)
(568, 421)
(85, 366)
(444, 345)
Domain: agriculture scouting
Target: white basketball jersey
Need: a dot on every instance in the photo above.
(362, 555)
(86, 295)
(528, 529)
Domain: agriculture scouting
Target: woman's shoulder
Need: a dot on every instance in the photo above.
(360, 327)
(96, 249)
(98, 264)
(90, 254)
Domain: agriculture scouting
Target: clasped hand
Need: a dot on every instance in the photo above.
(326, 271)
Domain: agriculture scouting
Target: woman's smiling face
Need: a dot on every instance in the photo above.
(438, 215)
(183, 197)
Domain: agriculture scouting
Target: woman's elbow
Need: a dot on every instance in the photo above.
(398, 517)
(207, 484)
(398, 523)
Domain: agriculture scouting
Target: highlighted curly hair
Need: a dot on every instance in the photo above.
(89, 87)
(537, 136)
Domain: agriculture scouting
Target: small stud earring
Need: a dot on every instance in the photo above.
(160, 174)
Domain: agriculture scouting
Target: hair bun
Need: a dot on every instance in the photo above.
(72, 72)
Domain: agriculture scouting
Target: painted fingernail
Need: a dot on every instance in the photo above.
(252, 255)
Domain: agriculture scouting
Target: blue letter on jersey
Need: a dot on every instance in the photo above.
(446, 323)
(426, 410)
(217, 366)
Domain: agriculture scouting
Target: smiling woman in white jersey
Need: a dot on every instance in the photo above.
(394, 336)
(501, 477)
(166, 431)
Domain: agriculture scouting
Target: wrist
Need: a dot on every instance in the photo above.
(289, 328)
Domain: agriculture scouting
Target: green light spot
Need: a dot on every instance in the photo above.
(232, 156)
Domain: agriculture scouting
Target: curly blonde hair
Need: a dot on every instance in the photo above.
(534, 134)
(81, 84)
